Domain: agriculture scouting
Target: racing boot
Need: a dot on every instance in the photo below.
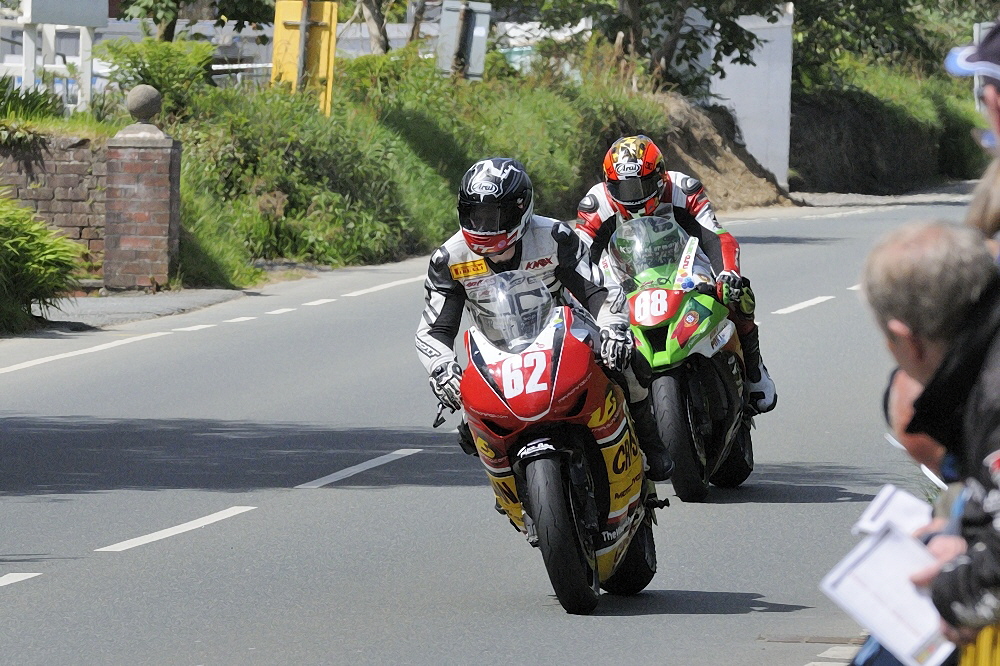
(761, 396)
(661, 465)
(465, 439)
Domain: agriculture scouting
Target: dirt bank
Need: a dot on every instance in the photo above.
(704, 145)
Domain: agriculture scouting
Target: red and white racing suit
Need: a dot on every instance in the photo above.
(684, 200)
(598, 218)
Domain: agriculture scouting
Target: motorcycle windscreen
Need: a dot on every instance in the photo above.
(510, 309)
(647, 250)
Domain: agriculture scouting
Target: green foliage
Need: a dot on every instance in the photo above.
(663, 33)
(36, 266)
(27, 104)
(910, 33)
(18, 136)
(164, 13)
(895, 128)
(332, 190)
(176, 69)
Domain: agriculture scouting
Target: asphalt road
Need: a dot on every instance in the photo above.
(167, 497)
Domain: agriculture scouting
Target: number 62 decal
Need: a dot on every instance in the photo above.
(512, 373)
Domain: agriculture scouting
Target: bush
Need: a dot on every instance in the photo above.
(883, 130)
(36, 266)
(27, 104)
(177, 69)
(334, 190)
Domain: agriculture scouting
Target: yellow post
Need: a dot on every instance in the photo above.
(320, 46)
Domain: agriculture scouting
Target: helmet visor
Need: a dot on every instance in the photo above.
(489, 218)
(635, 191)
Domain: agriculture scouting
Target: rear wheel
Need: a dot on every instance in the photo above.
(573, 578)
(739, 463)
(638, 566)
(672, 422)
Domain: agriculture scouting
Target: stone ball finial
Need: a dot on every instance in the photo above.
(144, 102)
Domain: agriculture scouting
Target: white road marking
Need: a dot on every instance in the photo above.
(845, 652)
(280, 311)
(238, 320)
(356, 469)
(80, 352)
(197, 327)
(179, 529)
(856, 287)
(10, 579)
(387, 285)
(321, 301)
(803, 305)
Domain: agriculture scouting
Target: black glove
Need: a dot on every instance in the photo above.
(616, 346)
(444, 381)
(729, 287)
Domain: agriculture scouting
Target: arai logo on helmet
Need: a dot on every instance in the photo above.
(628, 169)
(484, 188)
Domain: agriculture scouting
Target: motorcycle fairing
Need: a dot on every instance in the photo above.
(700, 326)
(624, 462)
(523, 382)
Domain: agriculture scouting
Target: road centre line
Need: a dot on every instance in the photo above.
(387, 285)
(12, 578)
(356, 469)
(856, 287)
(321, 301)
(196, 327)
(238, 320)
(179, 529)
(280, 311)
(80, 352)
(803, 305)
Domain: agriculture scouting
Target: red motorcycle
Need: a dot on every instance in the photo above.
(554, 434)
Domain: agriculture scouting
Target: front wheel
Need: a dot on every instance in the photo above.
(739, 463)
(638, 566)
(572, 577)
(670, 408)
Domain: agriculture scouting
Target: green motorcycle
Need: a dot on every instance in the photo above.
(687, 354)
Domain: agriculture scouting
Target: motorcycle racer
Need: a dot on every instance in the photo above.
(636, 183)
(500, 232)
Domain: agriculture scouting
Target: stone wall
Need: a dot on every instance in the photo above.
(64, 182)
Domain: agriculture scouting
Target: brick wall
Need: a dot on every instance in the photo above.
(64, 182)
(143, 209)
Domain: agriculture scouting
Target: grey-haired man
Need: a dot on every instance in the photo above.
(935, 292)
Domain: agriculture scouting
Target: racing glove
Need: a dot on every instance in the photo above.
(616, 346)
(729, 287)
(444, 381)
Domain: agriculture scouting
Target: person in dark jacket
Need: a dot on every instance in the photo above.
(934, 289)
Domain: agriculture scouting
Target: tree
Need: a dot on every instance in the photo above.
(670, 35)
(165, 13)
(896, 32)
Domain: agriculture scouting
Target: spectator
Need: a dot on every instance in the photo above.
(935, 292)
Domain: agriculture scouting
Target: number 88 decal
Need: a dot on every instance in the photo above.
(650, 304)
(512, 374)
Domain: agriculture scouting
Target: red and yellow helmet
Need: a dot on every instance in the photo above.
(635, 174)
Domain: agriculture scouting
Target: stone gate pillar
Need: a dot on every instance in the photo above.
(142, 200)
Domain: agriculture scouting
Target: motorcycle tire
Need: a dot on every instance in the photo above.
(738, 465)
(573, 579)
(638, 566)
(670, 409)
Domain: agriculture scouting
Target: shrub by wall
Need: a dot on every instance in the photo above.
(36, 265)
(884, 131)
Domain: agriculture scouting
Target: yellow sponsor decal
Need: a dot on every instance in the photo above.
(469, 269)
(506, 494)
(484, 448)
(604, 413)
